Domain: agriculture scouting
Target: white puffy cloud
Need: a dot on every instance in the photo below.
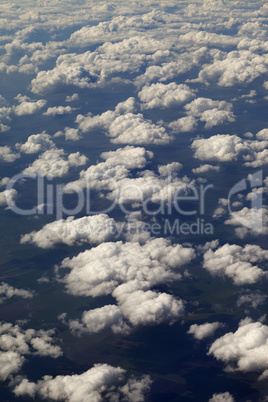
(249, 221)
(147, 307)
(262, 134)
(222, 397)
(220, 147)
(4, 181)
(36, 143)
(72, 134)
(206, 168)
(135, 308)
(16, 342)
(204, 330)
(28, 108)
(7, 291)
(94, 321)
(10, 363)
(236, 68)
(100, 270)
(117, 166)
(236, 262)
(89, 229)
(7, 155)
(134, 129)
(184, 124)
(114, 178)
(54, 163)
(101, 381)
(58, 110)
(7, 197)
(212, 112)
(71, 98)
(165, 95)
(244, 350)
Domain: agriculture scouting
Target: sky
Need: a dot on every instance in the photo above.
(133, 200)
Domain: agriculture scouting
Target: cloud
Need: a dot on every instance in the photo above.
(89, 229)
(6, 154)
(249, 215)
(54, 163)
(94, 321)
(134, 129)
(222, 397)
(100, 270)
(72, 98)
(7, 291)
(8, 197)
(220, 147)
(114, 179)
(101, 381)
(28, 108)
(244, 350)
(210, 111)
(135, 308)
(183, 125)
(204, 330)
(147, 307)
(262, 134)
(236, 262)
(36, 143)
(165, 95)
(72, 134)
(206, 168)
(251, 299)
(10, 363)
(16, 342)
(58, 110)
(236, 68)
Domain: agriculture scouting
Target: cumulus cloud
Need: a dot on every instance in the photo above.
(183, 125)
(58, 110)
(72, 98)
(16, 342)
(206, 168)
(69, 133)
(236, 262)
(54, 163)
(7, 155)
(135, 308)
(114, 178)
(147, 307)
(249, 221)
(244, 350)
(236, 68)
(89, 229)
(36, 143)
(204, 330)
(28, 108)
(134, 129)
(212, 112)
(222, 397)
(10, 363)
(7, 197)
(262, 134)
(220, 147)
(100, 270)
(124, 126)
(100, 381)
(165, 95)
(7, 291)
